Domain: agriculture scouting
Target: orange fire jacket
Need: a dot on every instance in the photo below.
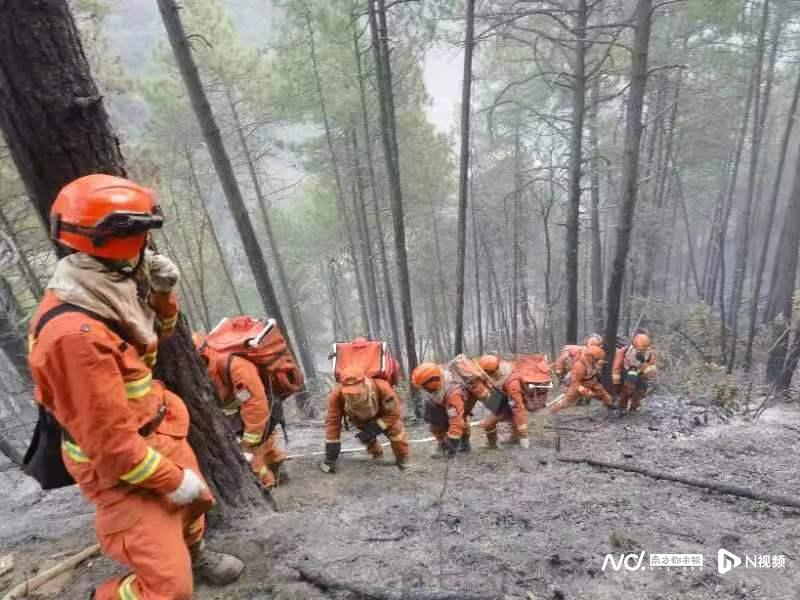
(101, 392)
(388, 409)
(242, 391)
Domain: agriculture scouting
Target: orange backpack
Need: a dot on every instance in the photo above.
(263, 344)
(533, 369)
(373, 358)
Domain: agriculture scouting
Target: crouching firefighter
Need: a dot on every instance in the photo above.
(372, 406)
(122, 433)
(246, 403)
(634, 366)
(584, 381)
(512, 407)
(444, 408)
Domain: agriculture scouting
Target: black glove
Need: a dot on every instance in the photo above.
(450, 447)
(332, 450)
(370, 431)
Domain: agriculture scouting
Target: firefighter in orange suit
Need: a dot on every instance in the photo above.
(634, 366)
(371, 406)
(445, 409)
(584, 381)
(124, 434)
(504, 379)
(571, 353)
(244, 399)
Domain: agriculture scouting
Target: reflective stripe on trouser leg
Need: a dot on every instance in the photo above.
(399, 439)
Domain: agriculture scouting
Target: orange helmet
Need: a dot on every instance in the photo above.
(489, 363)
(104, 216)
(428, 376)
(594, 339)
(641, 341)
(595, 352)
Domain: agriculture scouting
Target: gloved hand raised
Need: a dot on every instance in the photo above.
(370, 431)
(162, 272)
(190, 489)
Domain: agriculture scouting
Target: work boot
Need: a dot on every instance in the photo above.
(439, 452)
(464, 446)
(402, 463)
(491, 440)
(280, 473)
(215, 568)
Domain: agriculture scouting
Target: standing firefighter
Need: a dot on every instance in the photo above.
(444, 409)
(584, 380)
(245, 400)
(372, 406)
(512, 408)
(634, 366)
(123, 434)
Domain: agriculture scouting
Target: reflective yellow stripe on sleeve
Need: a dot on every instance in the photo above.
(139, 388)
(150, 358)
(74, 452)
(382, 424)
(251, 438)
(169, 323)
(126, 589)
(144, 469)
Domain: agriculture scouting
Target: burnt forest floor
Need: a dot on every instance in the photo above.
(505, 524)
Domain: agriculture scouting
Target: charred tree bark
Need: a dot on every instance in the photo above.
(295, 317)
(380, 47)
(575, 170)
(633, 136)
(55, 138)
(463, 176)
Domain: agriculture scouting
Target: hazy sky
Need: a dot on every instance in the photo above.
(443, 70)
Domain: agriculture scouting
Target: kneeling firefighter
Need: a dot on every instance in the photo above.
(634, 366)
(373, 407)
(584, 381)
(245, 400)
(513, 408)
(444, 408)
(123, 435)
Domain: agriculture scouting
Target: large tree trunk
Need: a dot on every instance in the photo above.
(743, 230)
(385, 272)
(383, 74)
(597, 247)
(575, 171)
(783, 283)
(56, 138)
(182, 51)
(295, 317)
(633, 136)
(463, 176)
(773, 203)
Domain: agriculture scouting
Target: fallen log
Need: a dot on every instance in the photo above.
(722, 488)
(31, 585)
